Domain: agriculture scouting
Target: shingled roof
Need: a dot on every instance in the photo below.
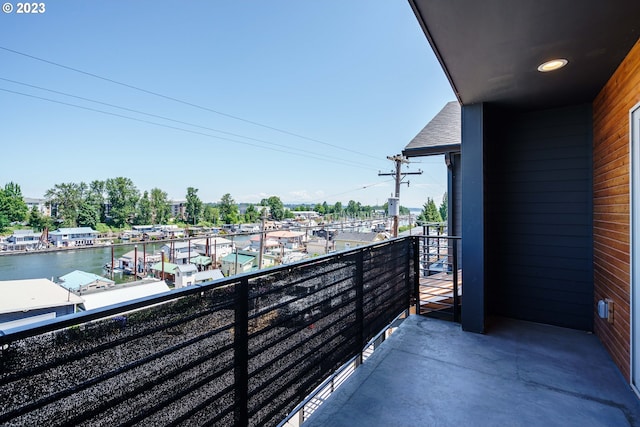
(441, 135)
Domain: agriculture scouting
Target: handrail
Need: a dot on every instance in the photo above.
(244, 350)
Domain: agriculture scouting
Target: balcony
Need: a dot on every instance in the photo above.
(242, 351)
(252, 349)
(431, 373)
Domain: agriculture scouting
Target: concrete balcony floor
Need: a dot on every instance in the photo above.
(431, 373)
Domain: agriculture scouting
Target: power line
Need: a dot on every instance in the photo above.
(164, 125)
(170, 98)
(355, 163)
(355, 189)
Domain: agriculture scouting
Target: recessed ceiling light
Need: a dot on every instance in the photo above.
(554, 64)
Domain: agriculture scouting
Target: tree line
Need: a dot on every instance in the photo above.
(117, 203)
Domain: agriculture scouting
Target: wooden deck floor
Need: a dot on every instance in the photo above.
(436, 292)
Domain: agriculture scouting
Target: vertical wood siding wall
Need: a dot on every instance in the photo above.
(611, 204)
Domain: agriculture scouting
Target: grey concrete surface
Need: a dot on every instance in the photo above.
(431, 373)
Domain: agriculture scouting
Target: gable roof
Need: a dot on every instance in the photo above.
(123, 294)
(241, 259)
(32, 294)
(350, 236)
(77, 278)
(441, 135)
(168, 267)
(74, 230)
(490, 49)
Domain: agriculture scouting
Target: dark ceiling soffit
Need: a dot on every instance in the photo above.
(431, 151)
(416, 12)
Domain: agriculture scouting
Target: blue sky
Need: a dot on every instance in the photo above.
(299, 99)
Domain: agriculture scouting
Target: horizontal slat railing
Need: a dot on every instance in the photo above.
(241, 351)
(439, 290)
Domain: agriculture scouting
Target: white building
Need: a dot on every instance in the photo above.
(219, 247)
(22, 240)
(73, 237)
(34, 300)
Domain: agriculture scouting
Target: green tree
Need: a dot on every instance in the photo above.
(353, 208)
(123, 197)
(88, 215)
(194, 206)
(444, 206)
(211, 214)
(276, 208)
(12, 204)
(337, 209)
(4, 222)
(160, 207)
(430, 212)
(65, 200)
(95, 196)
(228, 209)
(251, 214)
(37, 221)
(144, 215)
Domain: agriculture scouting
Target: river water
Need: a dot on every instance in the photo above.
(48, 265)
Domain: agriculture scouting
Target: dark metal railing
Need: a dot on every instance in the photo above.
(241, 351)
(439, 288)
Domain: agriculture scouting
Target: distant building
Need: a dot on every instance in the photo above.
(298, 215)
(180, 252)
(22, 240)
(237, 263)
(185, 275)
(40, 204)
(80, 281)
(219, 247)
(350, 240)
(319, 246)
(73, 237)
(208, 276)
(288, 239)
(178, 208)
(34, 300)
(123, 293)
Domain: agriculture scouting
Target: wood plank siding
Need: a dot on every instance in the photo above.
(611, 204)
(539, 215)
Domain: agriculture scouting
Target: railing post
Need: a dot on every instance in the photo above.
(360, 303)
(456, 302)
(416, 272)
(241, 354)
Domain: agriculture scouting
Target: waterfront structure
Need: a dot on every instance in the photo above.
(23, 240)
(164, 270)
(124, 293)
(81, 281)
(33, 300)
(208, 276)
(218, 247)
(73, 237)
(145, 260)
(348, 239)
(179, 252)
(185, 275)
(293, 240)
(236, 263)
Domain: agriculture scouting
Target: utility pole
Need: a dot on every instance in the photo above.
(398, 159)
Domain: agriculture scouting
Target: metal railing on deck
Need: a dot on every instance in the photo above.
(439, 288)
(241, 351)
